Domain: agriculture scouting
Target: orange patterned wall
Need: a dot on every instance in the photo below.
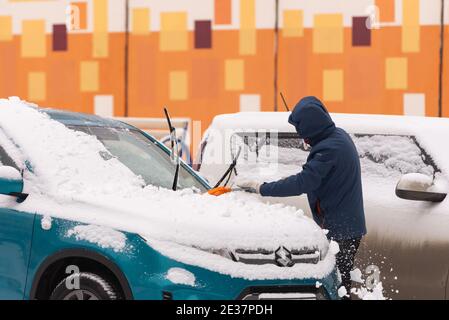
(203, 70)
(365, 72)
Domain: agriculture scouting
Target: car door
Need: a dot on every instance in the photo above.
(406, 245)
(15, 243)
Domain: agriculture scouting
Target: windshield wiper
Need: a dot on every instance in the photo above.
(174, 156)
(228, 172)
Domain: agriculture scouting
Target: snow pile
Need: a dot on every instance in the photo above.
(46, 222)
(374, 294)
(334, 248)
(71, 180)
(356, 275)
(66, 162)
(9, 173)
(181, 276)
(415, 182)
(235, 220)
(366, 291)
(342, 292)
(422, 182)
(102, 236)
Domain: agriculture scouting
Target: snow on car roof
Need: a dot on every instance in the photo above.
(71, 180)
(430, 132)
(354, 123)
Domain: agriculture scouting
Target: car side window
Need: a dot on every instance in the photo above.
(382, 156)
(393, 155)
(5, 159)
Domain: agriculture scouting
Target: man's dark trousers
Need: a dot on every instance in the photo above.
(345, 260)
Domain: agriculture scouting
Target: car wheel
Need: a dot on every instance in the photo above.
(91, 287)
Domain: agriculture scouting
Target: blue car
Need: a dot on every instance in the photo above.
(44, 257)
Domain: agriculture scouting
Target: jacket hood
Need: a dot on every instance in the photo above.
(311, 120)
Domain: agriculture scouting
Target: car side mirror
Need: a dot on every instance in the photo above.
(11, 183)
(419, 187)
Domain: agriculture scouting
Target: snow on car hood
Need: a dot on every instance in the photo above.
(69, 179)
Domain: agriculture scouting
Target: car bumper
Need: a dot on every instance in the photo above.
(151, 282)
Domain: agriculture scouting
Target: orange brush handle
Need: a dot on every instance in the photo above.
(219, 191)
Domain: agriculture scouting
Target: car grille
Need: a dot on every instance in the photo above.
(288, 259)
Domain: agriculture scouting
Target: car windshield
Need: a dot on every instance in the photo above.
(268, 156)
(142, 156)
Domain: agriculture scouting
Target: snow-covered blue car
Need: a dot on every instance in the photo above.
(87, 213)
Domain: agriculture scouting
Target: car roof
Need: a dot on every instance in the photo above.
(353, 123)
(83, 119)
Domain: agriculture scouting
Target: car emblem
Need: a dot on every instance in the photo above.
(283, 257)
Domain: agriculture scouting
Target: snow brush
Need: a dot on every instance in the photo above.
(222, 190)
(218, 191)
(228, 172)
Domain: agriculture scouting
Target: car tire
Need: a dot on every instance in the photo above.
(91, 287)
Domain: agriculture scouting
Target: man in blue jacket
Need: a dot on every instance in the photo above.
(331, 179)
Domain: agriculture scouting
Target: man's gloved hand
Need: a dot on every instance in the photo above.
(249, 186)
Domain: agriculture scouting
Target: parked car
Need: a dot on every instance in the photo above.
(405, 166)
(86, 213)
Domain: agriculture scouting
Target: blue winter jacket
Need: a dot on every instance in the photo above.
(331, 176)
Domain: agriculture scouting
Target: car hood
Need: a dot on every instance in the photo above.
(232, 221)
(71, 180)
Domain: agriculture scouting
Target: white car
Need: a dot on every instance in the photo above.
(405, 166)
